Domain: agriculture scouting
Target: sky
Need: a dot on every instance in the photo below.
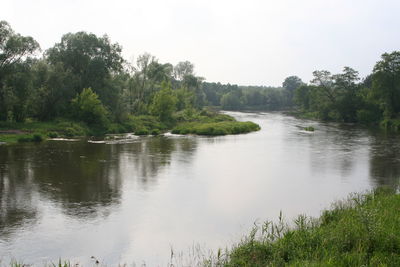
(247, 42)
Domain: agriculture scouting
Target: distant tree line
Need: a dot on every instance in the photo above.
(85, 78)
(345, 97)
(234, 97)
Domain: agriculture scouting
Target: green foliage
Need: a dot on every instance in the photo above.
(232, 101)
(309, 129)
(142, 131)
(27, 130)
(52, 134)
(164, 103)
(361, 231)
(15, 74)
(386, 84)
(216, 128)
(140, 125)
(36, 138)
(391, 124)
(53, 87)
(88, 108)
(290, 84)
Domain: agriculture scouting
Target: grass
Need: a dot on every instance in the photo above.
(204, 122)
(363, 230)
(309, 129)
(216, 128)
(12, 132)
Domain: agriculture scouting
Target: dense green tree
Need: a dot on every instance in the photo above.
(302, 97)
(290, 84)
(15, 79)
(87, 107)
(386, 83)
(53, 86)
(182, 69)
(348, 100)
(91, 61)
(14, 47)
(164, 103)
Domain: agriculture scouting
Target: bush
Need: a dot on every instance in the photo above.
(116, 128)
(37, 138)
(142, 131)
(52, 134)
(155, 132)
(88, 108)
(216, 128)
(391, 124)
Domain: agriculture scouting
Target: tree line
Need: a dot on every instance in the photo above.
(85, 78)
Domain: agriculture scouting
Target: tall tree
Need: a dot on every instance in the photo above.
(91, 61)
(290, 84)
(14, 71)
(386, 83)
(183, 69)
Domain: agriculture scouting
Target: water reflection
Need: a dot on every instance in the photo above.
(18, 199)
(144, 195)
(84, 180)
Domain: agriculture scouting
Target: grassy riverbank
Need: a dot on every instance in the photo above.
(195, 122)
(363, 230)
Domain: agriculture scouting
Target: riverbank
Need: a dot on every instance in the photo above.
(392, 125)
(203, 122)
(363, 230)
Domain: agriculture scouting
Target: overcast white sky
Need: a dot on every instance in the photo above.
(248, 42)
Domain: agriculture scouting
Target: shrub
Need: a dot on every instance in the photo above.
(37, 138)
(216, 128)
(155, 132)
(52, 134)
(142, 131)
(88, 108)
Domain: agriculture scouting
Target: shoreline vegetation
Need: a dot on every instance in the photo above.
(204, 122)
(82, 86)
(361, 230)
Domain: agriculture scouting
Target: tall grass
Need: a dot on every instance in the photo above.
(363, 230)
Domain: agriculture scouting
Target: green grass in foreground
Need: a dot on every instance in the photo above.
(364, 230)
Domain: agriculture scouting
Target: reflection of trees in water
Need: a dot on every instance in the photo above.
(151, 155)
(84, 179)
(385, 160)
(17, 192)
(81, 177)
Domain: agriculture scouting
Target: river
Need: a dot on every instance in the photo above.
(133, 202)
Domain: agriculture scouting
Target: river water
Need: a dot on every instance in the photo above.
(133, 202)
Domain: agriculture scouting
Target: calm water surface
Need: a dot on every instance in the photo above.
(132, 202)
